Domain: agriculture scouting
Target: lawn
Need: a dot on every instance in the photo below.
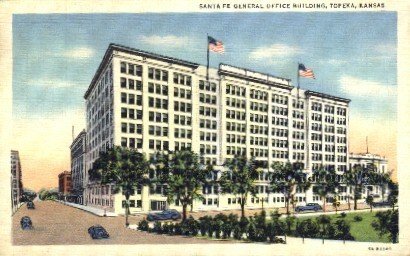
(362, 231)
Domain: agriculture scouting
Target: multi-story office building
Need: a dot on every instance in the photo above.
(78, 178)
(152, 102)
(64, 183)
(380, 164)
(16, 180)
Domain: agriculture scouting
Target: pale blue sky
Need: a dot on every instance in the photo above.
(55, 56)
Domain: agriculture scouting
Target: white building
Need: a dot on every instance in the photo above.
(16, 183)
(380, 163)
(78, 174)
(152, 102)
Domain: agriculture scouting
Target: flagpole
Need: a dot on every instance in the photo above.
(207, 57)
(298, 80)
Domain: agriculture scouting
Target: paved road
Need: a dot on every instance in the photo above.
(58, 224)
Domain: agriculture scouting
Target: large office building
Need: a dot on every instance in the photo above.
(16, 180)
(153, 103)
(78, 178)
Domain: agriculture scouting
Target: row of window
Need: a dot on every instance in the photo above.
(279, 111)
(235, 90)
(298, 114)
(206, 123)
(131, 113)
(260, 95)
(257, 152)
(158, 130)
(279, 143)
(207, 111)
(258, 129)
(259, 118)
(182, 120)
(131, 128)
(207, 149)
(233, 138)
(158, 145)
(258, 141)
(131, 84)
(158, 117)
(281, 99)
(207, 98)
(235, 127)
(255, 106)
(207, 136)
(182, 106)
(131, 142)
(235, 114)
(235, 150)
(158, 74)
(158, 88)
(183, 133)
(207, 86)
(298, 145)
(157, 103)
(182, 93)
(130, 69)
(131, 99)
(234, 102)
(182, 79)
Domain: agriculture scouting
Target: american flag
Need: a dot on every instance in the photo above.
(305, 72)
(215, 46)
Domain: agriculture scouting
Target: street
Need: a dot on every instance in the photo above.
(55, 223)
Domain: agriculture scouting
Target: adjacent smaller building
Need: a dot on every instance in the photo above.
(64, 183)
(78, 176)
(366, 159)
(16, 181)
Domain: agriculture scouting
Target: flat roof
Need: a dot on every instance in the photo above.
(327, 96)
(112, 47)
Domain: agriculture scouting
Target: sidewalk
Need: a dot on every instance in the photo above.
(95, 211)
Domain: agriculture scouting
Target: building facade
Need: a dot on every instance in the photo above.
(16, 181)
(78, 178)
(154, 103)
(64, 183)
(381, 165)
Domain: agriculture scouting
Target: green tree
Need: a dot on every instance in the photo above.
(239, 179)
(286, 178)
(122, 167)
(393, 193)
(387, 223)
(343, 231)
(324, 222)
(357, 177)
(381, 179)
(184, 177)
(326, 183)
(369, 201)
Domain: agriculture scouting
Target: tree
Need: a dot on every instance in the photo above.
(357, 177)
(382, 180)
(326, 182)
(239, 179)
(184, 177)
(307, 228)
(323, 222)
(369, 201)
(387, 223)
(393, 193)
(122, 167)
(343, 231)
(286, 178)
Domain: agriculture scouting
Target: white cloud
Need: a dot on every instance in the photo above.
(169, 40)
(274, 50)
(79, 53)
(366, 88)
(52, 83)
(387, 49)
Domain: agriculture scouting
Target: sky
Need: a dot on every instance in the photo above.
(55, 56)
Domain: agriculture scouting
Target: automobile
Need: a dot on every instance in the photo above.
(308, 207)
(170, 214)
(98, 232)
(26, 223)
(30, 205)
(381, 204)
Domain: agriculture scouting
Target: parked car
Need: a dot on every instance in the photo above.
(26, 223)
(308, 207)
(381, 204)
(30, 205)
(98, 232)
(170, 214)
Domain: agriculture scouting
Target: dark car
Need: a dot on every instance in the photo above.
(26, 223)
(30, 205)
(164, 215)
(98, 232)
(309, 207)
(381, 204)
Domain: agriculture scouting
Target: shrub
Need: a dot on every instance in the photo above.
(237, 232)
(167, 228)
(260, 227)
(343, 215)
(343, 231)
(177, 229)
(251, 234)
(217, 227)
(204, 224)
(143, 225)
(189, 227)
(157, 227)
(307, 228)
(358, 218)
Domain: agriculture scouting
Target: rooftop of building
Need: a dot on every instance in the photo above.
(223, 69)
(368, 156)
